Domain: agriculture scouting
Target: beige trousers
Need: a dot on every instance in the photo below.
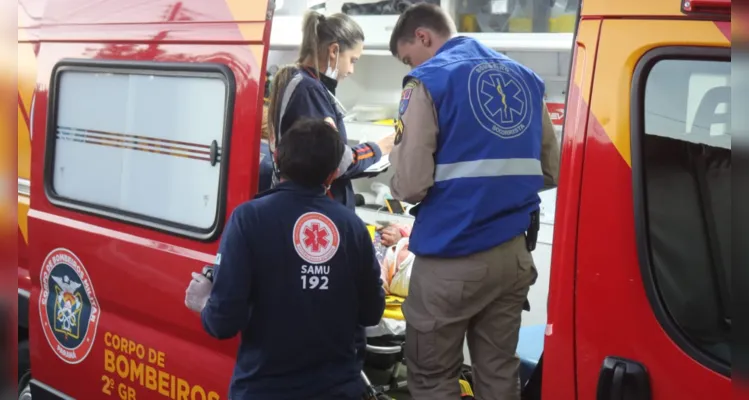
(479, 297)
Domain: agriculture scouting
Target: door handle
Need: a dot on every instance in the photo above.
(622, 379)
(215, 157)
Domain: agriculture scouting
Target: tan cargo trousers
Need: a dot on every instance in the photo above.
(479, 297)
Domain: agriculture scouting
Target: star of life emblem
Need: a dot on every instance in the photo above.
(501, 100)
(316, 238)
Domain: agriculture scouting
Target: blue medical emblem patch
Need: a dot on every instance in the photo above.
(501, 100)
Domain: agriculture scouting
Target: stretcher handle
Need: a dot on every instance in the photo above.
(384, 349)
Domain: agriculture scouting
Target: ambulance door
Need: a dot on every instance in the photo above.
(653, 255)
(151, 140)
(558, 375)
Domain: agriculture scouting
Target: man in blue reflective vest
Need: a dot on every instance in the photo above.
(474, 146)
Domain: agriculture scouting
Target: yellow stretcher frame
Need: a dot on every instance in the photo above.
(393, 308)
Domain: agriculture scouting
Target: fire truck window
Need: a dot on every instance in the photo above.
(686, 158)
(145, 145)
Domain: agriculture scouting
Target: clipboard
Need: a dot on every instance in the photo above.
(379, 166)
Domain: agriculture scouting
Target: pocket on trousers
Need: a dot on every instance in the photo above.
(444, 298)
(527, 272)
(420, 341)
(452, 283)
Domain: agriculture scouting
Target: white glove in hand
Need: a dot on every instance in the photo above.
(197, 293)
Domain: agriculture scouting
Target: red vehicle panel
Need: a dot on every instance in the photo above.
(616, 311)
(143, 342)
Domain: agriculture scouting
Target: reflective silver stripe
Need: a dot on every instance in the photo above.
(24, 293)
(488, 168)
(24, 187)
(348, 157)
(290, 88)
(346, 160)
(288, 91)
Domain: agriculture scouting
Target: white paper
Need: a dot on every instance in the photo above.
(380, 165)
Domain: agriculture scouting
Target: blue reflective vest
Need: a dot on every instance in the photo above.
(488, 160)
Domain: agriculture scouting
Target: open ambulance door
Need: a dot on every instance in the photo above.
(552, 374)
(652, 265)
(149, 141)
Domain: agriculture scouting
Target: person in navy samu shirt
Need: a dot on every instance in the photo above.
(296, 276)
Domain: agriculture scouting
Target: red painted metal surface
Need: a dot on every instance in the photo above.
(139, 275)
(613, 316)
(559, 375)
(23, 260)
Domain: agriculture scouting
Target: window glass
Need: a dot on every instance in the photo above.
(516, 16)
(141, 143)
(689, 101)
(687, 167)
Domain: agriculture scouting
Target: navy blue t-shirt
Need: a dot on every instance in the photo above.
(296, 276)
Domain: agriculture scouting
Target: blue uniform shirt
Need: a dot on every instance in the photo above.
(266, 168)
(296, 276)
(309, 97)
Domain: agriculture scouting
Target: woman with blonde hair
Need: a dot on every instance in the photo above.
(330, 48)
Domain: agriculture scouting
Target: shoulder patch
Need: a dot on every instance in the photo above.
(406, 96)
(398, 132)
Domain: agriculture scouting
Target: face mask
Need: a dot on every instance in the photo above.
(332, 73)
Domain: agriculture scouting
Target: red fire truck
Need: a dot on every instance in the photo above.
(638, 306)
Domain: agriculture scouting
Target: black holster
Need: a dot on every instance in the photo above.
(531, 235)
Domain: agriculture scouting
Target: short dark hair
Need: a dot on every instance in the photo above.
(309, 152)
(421, 15)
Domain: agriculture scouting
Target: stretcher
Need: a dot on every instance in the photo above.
(393, 322)
(385, 346)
